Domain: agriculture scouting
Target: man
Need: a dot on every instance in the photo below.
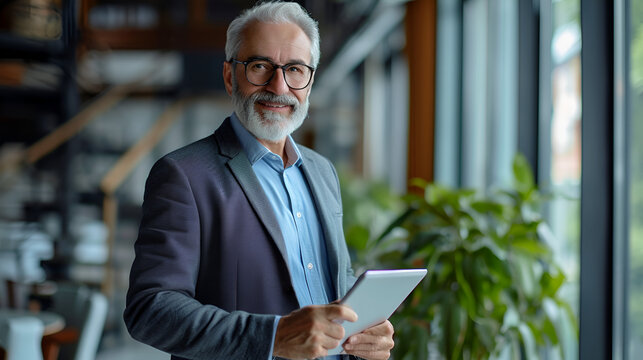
(240, 253)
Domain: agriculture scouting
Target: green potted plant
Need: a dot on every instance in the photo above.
(493, 285)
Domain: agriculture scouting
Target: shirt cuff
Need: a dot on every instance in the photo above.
(274, 334)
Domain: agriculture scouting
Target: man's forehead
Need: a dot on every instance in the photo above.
(262, 39)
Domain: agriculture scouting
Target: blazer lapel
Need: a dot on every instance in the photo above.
(242, 170)
(326, 217)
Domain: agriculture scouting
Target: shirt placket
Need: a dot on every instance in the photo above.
(299, 226)
(309, 263)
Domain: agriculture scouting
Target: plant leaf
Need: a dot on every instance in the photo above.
(419, 183)
(486, 331)
(550, 330)
(530, 247)
(468, 299)
(487, 206)
(396, 223)
(528, 341)
(424, 243)
(551, 284)
(523, 175)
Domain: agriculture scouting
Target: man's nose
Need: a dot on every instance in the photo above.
(277, 84)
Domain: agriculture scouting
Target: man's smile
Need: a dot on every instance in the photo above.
(273, 106)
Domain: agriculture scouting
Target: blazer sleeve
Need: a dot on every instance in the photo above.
(161, 310)
(350, 275)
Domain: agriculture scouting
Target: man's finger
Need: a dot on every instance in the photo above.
(373, 343)
(369, 343)
(335, 331)
(340, 312)
(327, 342)
(372, 355)
(370, 346)
(385, 329)
(375, 348)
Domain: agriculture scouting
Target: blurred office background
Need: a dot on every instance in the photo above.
(92, 92)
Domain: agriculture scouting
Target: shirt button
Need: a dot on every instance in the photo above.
(298, 214)
(310, 266)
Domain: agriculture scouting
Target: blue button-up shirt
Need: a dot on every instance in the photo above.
(290, 197)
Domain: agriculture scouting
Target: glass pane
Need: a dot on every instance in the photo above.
(636, 181)
(489, 94)
(564, 159)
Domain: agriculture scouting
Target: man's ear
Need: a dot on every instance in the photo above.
(312, 80)
(310, 86)
(228, 70)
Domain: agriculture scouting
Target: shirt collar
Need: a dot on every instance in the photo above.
(256, 151)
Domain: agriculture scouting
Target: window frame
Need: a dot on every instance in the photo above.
(597, 181)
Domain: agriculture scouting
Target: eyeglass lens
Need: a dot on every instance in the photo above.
(259, 72)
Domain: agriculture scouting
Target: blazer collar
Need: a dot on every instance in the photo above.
(241, 168)
(227, 140)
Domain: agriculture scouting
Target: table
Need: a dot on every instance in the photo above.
(52, 322)
(30, 346)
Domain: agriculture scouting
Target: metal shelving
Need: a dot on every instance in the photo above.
(44, 108)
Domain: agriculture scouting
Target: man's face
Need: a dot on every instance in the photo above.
(272, 111)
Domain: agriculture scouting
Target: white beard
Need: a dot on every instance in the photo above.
(268, 125)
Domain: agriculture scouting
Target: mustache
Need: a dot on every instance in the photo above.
(273, 98)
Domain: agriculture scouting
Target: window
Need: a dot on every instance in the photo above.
(635, 343)
(476, 97)
(560, 149)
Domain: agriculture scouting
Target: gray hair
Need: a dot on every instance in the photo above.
(276, 13)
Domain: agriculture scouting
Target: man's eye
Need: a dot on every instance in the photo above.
(295, 69)
(260, 66)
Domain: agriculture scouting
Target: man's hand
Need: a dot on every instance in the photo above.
(311, 331)
(374, 343)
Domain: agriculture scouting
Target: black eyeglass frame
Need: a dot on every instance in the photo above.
(274, 68)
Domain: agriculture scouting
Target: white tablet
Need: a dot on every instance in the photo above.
(375, 296)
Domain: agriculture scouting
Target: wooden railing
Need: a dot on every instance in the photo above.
(123, 167)
(72, 127)
(36, 151)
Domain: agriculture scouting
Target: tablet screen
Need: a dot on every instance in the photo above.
(375, 296)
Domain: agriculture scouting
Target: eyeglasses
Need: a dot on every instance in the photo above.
(259, 72)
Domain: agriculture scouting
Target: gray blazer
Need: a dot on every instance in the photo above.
(211, 270)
